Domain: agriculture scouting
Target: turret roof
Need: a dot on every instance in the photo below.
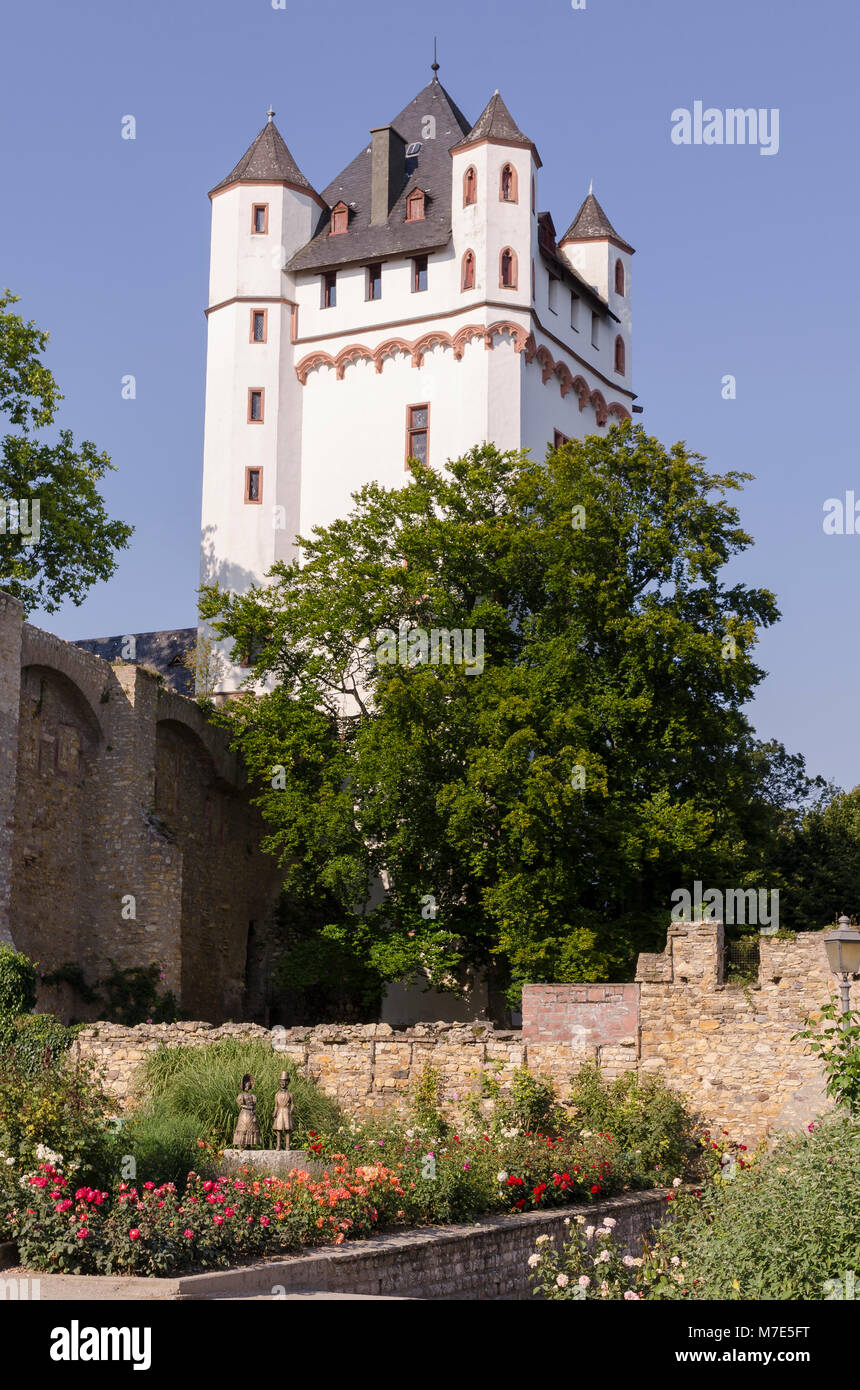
(267, 158)
(592, 224)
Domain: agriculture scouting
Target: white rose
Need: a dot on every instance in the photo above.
(609, 1221)
(589, 1232)
(534, 1260)
(562, 1281)
(541, 1240)
(501, 1177)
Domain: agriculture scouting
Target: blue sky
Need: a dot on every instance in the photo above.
(743, 266)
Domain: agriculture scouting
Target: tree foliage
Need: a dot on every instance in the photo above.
(56, 539)
(534, 818)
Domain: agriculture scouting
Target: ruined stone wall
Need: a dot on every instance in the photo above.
(126, 834)
(727, 1047)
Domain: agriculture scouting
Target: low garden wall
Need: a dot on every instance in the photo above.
(486, 1261)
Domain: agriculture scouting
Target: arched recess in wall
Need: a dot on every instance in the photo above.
(57, 898)
(193, 821)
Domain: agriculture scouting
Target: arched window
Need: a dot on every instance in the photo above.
(508, 184)
(619, 276)
(415, 206)
(339, 219)
(468, 278)
(470, 186)
(534, 195)
(620, 356)
(508, 269)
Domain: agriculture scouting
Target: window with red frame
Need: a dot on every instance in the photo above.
(417, 432)
(468, 271)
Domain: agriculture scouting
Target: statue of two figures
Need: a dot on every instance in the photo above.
(247, 1132)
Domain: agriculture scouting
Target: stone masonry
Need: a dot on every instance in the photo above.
(126, 833)
(728, 1048)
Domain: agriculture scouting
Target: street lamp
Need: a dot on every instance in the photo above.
(843, 957)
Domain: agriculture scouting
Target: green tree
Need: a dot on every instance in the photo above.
(57, 539)
(817, 858)
(532, 819)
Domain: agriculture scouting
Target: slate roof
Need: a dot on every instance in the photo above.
(431, 171)
(548, 247)
(159, 651)
(592, 224)
(496, 123)
(267, 158)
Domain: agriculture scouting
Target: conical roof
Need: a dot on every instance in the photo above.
(268, 159)
(496, 123)
(592, 224)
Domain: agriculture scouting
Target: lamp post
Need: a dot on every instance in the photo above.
(843, 957)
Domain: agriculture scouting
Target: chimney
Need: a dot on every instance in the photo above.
(388, 172)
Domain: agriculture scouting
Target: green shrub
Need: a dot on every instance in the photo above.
(202, 1083)
(644, 1117)
(37, 1041)
(530, 1106)
(132, 996)
(786, 1228)
(164, 1146)
(17, 983)
(64, 1109)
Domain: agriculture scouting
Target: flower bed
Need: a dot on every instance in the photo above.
(158, 1230)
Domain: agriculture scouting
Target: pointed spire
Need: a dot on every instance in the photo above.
(266, 160)
(435, 64)
(592, 224)
(496, 123)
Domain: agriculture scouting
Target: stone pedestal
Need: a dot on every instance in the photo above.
(274, 1163)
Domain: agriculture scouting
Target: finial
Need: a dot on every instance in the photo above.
(590, 186)
(271, 115)
(434, 65)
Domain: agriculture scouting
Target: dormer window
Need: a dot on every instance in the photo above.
(470, 186)
(415, 206)
(508, 184)
(339, 220)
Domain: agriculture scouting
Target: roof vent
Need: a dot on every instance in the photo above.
(414, 149)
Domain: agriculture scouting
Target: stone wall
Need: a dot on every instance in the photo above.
(126, 833)
(727, 1047)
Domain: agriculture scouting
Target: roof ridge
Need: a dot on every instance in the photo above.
(267, 157)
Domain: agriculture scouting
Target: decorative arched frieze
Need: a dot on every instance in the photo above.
(523, 342)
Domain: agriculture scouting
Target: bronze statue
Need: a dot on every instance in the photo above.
(284, 1105)
(247, 1132)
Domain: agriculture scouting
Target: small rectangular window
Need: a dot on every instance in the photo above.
(253, 484)
(595, 330)
(374, 281)
(260, 219)
(329, 290)
(258, 325)
(419, 274)
(574, 311)
(417, 432)
(255, 405)
(552, 294)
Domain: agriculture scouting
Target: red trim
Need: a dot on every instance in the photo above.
(265, 337)
(339, 220)
(254, 209)
(470, 188)
(419, 429)
(261, 392)
(249, 500)
(467, 275)
(415, 206)
(619, 276)
(514, 188)
(511, 283)
(620, 357)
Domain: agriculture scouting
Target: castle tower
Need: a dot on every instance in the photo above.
(594, 249)
(493, 202)
(261, 213)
